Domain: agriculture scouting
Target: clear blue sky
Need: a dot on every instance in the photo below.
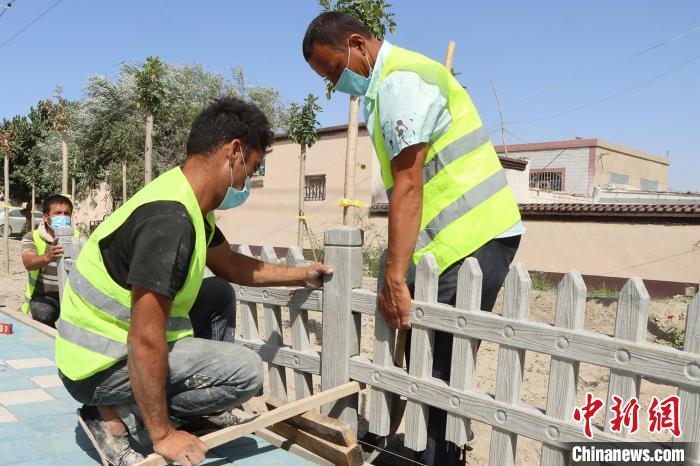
(584, 49)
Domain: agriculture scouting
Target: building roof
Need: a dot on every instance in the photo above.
(580, 142)
(624, 213)
(507, 162)
(614, 212)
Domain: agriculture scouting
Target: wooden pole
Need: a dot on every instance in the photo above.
(123, 181)
(148, 162)
(64, 172)
(351, 159)
(33, 207)
(6, 232)
(302, 195)
(449, 56)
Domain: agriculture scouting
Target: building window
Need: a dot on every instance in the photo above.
(315, 188)
(650, 185)
(547, 180)
(616, 178)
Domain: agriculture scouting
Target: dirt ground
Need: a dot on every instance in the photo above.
(666, 317)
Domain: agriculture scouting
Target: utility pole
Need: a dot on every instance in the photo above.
(33, 207)
(7, 214)
(149, 148)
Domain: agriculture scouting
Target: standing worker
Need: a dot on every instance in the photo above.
(448, 194)
(143, 338)
(40, 251)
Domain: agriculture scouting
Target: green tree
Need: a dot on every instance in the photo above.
(302, 128)
(376, 16)
(151, 92)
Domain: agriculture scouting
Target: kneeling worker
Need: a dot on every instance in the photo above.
(40, 250)
(143, 338)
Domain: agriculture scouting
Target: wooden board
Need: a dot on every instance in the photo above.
(289, 410)
(327, 428)
(337, 454)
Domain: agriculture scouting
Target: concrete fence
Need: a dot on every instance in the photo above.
(342, 303)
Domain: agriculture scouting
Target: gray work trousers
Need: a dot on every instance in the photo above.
(207, 373)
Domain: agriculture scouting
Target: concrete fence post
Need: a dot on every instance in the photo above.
(339, 332)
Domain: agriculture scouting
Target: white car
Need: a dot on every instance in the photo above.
(17, 221)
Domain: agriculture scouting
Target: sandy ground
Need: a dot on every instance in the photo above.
(666, 316)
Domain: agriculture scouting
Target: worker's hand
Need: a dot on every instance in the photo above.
(314, 274)
(395, 304)
(181, 447)
(54, 251)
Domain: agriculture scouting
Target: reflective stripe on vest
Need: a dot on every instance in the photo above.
(472, 198)
(455, 150)
(91, 341)
(104, 303)
(466, 198)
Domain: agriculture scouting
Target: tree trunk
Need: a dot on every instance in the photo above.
(147, 159)
(123, 181)
(33, 207)
(7, 214)
(64, 174)
(302, 195)
(350, 160)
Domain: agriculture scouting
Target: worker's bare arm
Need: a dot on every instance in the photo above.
(147, 363)
(405, 210)
(244, 270)
(34, 261)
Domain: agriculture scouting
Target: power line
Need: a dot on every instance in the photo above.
(7, 6)
(610, 97)
(612, 63)
(30, 23)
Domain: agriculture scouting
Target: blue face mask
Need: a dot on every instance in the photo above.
(58, 221)
(235, 197)
(353, 83)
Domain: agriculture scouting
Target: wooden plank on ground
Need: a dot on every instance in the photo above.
(327, 428)
(339, 455)
(264, 420)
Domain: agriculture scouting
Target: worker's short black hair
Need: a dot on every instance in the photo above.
(332, 28)
(53, 200)
(227, 119)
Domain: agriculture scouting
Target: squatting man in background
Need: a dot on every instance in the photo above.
(143, 338)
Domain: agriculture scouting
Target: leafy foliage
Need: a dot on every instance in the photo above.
(302, 123)
(106, 126)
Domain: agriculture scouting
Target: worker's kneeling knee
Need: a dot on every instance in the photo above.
(252, 375)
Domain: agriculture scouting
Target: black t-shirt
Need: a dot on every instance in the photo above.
(153, 248)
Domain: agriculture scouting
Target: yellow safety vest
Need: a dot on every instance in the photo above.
(96, 311)
(466, 198)
(40, 244)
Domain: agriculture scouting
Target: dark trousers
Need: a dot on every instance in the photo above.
(45, 309)
(494, 259)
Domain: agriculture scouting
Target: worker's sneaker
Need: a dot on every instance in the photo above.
(212, 422)
(114, 450)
